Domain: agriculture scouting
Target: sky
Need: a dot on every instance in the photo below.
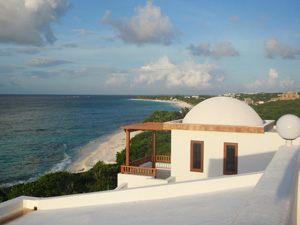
(188, 47)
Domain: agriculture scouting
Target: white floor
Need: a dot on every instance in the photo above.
(213, 208)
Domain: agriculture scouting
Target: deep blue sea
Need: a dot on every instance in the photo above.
(41, 134)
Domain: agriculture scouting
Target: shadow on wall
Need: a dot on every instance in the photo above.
(246, 164)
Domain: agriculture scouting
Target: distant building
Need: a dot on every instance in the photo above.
(248, 101)
(219, 136)
(291, 95)
(227, 166)
(230, 95)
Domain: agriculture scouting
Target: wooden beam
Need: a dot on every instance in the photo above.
(153, 148)
(127, 147)
(200, 127)
(145, 126)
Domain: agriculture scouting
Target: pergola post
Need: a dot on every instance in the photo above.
(127, 147)
(154, 148)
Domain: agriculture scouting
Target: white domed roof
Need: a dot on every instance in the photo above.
(223, 111)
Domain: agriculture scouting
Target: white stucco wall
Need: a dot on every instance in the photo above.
(134, 180)
(155, 192)
(276, 192)
(255, 151)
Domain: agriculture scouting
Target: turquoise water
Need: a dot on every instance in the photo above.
(40, 134)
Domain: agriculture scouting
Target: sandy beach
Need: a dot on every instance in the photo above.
(178, 103)
(104, 149)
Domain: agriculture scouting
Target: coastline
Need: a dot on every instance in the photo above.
(103, 149)
(106, 148)
(178, 103)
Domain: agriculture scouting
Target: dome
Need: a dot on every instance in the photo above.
(223, 111)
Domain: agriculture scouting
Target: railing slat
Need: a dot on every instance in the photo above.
(138, 170)
(141, 161)
(163, 158)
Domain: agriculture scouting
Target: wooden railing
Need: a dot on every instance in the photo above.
(163, 158)
(138, 170)
(141, 161)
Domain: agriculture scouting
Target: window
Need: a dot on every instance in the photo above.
(230, 158)
(197, 156)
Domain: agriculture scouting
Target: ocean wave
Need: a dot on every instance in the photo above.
(55, 126)
(56, 168)
(31, 130)
(62, 165)
(32, 179)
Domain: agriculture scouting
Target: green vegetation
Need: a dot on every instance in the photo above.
(258, 97)
(163, 116)
(274, 110)
(141, 144)
(192, 100)
(188, 99)
(165, 98)
(101, 177)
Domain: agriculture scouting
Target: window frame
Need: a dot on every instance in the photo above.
(225, 158)
(192, 156)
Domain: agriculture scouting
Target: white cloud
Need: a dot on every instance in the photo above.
(39, 74)
(115, 79)
(84, 32)
(288, 82)
(8, 68)
(28, 51)
(238, 21)
(187, 74)
(104, 73)
(273, 74)
(46, 62)
(223, 49)
(147, 26)
(220, 78)
(274, 48)
(235, 19)
(69, 45)
(272, 83)
(28, 21)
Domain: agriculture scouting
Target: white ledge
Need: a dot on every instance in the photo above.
(273, 198)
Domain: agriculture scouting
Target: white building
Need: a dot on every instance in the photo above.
(227, 166)
(220, 136)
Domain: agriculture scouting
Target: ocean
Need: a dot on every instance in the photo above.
(42, 134)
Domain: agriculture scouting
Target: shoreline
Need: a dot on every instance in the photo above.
(178, 103)
(103, 149)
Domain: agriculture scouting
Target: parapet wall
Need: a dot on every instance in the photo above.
(275, 198)
(150, 192)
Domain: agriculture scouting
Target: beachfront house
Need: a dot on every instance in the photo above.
(227, 166)
(221, 136)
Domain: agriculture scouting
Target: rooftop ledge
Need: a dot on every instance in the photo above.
(274, 198)
(178, 125)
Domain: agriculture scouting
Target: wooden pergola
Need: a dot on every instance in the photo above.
(133, 167)
(153, 126)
